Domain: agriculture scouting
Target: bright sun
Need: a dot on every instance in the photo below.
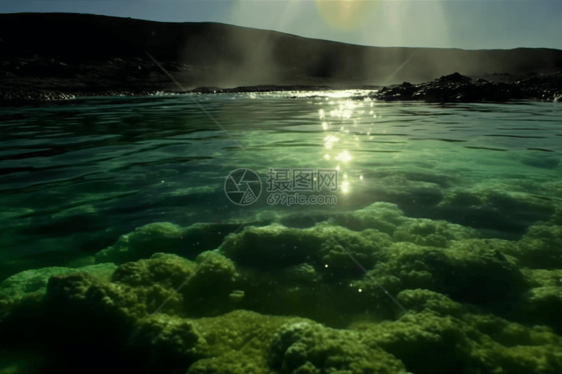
(345, 14)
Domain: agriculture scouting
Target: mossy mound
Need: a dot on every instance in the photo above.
(540, 248)
(385, 217)
(469, 270)
(158, 310)
(442, 336)
(540, 304)
(324, 245)
(432, 233)
(495, 206)
(310, 348)
(35, 281)
(164, 237)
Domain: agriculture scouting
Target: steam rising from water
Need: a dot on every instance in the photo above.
(231, 56)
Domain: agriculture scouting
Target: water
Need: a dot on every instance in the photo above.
(74, 178)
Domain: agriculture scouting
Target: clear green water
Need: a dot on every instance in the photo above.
(76, 177)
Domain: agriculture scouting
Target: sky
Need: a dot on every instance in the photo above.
(465, 24)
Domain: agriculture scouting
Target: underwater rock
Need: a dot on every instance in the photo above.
(172, 315)
(310, 348)
(237, 343)
(494, 207)
(304, 273)
(420, 300)
(278, 246)
(412, 191)
(236, 296)
(35, 281)
(557, 216)
(543, 305)
(166, 339)
(432, 233)
(82, 212)
(424, 342)
(198, 289)
(440, 336)
(382, 216)
(477, 272)
(164, 237)
(469, 271)
(540, 248)
(543, 277)
(142, 243)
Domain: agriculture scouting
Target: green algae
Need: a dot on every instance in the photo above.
(276, 299)
(164, 237)
(32, 281)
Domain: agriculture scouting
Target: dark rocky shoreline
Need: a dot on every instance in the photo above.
(110, 56)
(39, 81)
(459, 88)
(450, 88)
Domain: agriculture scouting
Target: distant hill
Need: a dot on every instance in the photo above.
(226, 56)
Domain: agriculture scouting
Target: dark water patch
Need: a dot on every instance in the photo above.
(518, 136)
(539, 149)
(274, 146)
(6, 171)
(441, 139)
(539, 161)
(377, 151)
(519, 128)
(377, 134)
(486, 148)
(40, 153)
(382, 142)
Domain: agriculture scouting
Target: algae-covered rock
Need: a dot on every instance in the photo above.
(543, 277)
(420, 300)
(32, 281)
(540, 248)
(175, 315)
(475, 271)
(167, 339)
(142, 243)
(496, 206)
(404, 267)
(431, 233)
(236, 296)
(162, 268)
(322, 245)
(440, 336)
(469, 270)
(136, 288)
(164, 237)
(543, 305)
(237, 343)
(424, 342)
(388, 218)
(204, 288)
(310, 348)
(385, 217)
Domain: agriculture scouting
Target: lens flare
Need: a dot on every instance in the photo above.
(345, 14)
